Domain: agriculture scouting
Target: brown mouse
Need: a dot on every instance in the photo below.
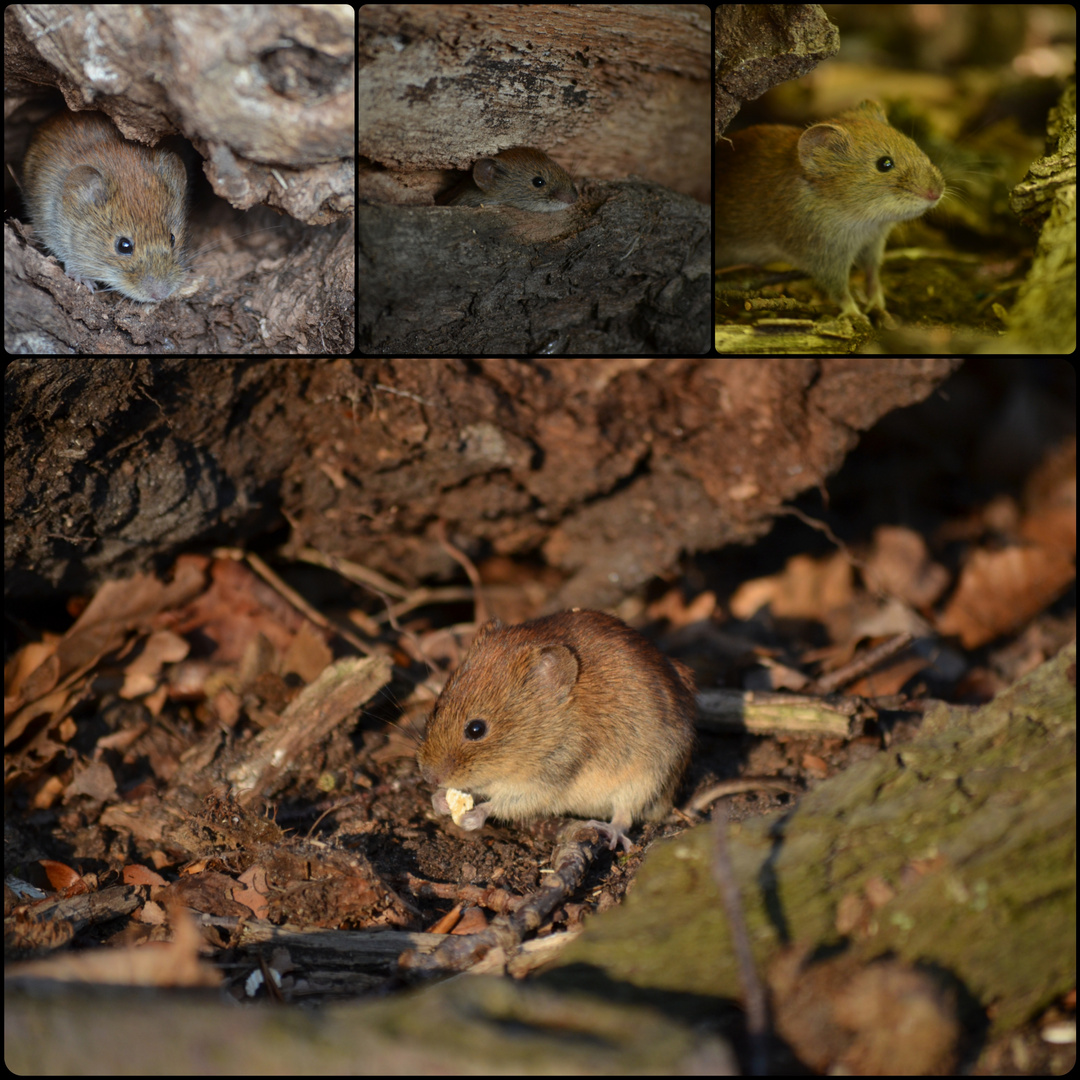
(822, 198)
(111, 210)
(570, 714)
(523, 177)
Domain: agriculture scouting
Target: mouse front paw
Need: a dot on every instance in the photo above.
(459, 806)
(475, 818)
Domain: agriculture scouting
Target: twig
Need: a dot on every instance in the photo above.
(752, 988)
(766, 712)
(855, 669)
(569, 861)
(702, 801)
(293, 597)
(479, 606)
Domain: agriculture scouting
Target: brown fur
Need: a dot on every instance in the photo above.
(88, 188)
(584, 717)
(819, 199)
(523, 177)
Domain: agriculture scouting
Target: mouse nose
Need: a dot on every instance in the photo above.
(158, 289)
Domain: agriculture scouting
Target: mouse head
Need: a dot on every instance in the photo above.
(129, 224)
(526, 178)
(506, 716)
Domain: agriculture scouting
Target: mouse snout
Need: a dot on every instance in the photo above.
(435, 766)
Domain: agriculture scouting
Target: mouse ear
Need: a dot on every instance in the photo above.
(486, 631)
(821, 144)
(83, 187)
(555, 669)
(486, 172)
(873, 110)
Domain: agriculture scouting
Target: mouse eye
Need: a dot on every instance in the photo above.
(124, 246)
(172, 240)
(884, 164)
(537, 181)
(475, 730)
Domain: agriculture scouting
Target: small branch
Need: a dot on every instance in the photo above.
(753, 991)
(570, 862)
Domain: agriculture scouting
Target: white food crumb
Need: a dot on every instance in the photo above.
(460, 804)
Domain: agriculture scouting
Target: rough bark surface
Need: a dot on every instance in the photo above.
(761, 45)
(626, 270)
(956, 852)
(468, 1026)
(609, 90)
(609, 469)
(1044, 316)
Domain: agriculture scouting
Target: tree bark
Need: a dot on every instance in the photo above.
(610, 469)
